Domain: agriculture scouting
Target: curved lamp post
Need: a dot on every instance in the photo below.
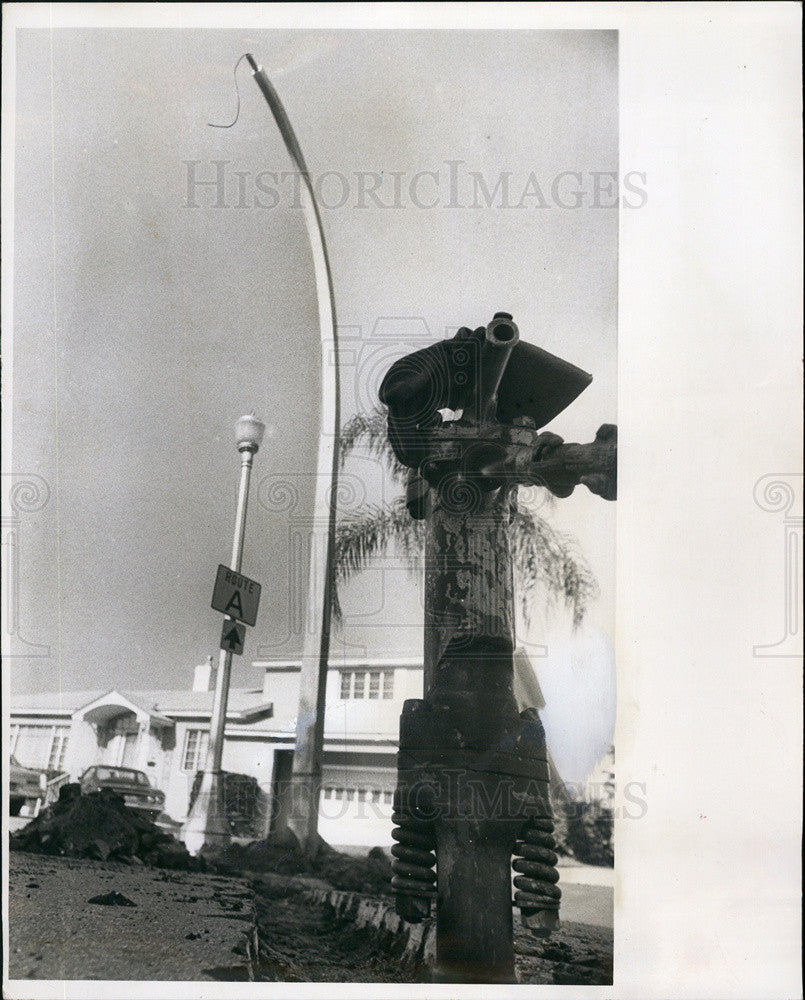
(303, 793)
(206, 824)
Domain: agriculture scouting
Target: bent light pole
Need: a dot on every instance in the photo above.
(303, 805)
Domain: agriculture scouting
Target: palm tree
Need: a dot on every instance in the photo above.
(543, 557)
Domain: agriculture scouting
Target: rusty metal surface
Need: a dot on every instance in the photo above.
(483, 457)
(535, 384)
(469, 586)
(473, 773)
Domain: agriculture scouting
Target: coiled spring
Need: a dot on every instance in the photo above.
(414, 864)
(537, 893)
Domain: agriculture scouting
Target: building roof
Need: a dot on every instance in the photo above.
(52, 701)
(348, 663)
(246, 702)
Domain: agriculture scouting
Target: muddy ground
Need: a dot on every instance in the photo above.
(79, 918)
(94, 841)
(301, 942)
(190, 926)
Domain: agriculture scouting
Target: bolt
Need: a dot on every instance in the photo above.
(541, 923)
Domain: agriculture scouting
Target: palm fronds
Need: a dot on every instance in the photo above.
(369, 430)
(544, 556)
(370, 532)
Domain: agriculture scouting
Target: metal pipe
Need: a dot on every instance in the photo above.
(500, 339)
(206, 824)
(218, 720)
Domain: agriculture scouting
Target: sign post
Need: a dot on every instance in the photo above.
(237, 597)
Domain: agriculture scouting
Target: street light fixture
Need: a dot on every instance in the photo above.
(206, 824)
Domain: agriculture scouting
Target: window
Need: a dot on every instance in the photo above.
(58, 749)
(372, 684)
(34, 744)
(196, 742)
(371, 795)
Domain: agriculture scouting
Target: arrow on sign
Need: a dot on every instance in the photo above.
(233, 636)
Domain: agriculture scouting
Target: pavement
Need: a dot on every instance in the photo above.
(573, 873)
(181, 926)
(586, 904)
(588, 895)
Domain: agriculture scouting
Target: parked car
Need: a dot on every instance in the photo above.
(27, 787)
(132, 786)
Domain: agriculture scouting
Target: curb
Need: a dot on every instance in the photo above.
(413, 944)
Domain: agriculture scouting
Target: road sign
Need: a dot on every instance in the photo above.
(236, 595)
(233, 635)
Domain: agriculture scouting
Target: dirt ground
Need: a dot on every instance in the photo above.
(79, 918)
(300, 942)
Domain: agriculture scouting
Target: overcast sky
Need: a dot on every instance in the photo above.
(150, 310)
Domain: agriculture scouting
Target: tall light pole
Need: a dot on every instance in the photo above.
(206, 824)
(303, 793)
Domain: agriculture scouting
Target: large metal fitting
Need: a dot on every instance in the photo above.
(473, 777)
(487, 373)
(473, 782)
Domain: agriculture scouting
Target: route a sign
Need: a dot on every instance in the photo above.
(233, 635)
(236, 595)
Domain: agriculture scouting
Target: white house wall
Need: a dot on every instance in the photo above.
(353, 727)
(177, 791)
(355, 824)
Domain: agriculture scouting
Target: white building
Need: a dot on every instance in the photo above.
(165, 734)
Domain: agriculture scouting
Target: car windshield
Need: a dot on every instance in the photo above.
(121, 774)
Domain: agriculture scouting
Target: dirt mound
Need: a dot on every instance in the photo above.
(261, 856)
(356, 874)
(281, 852)
(100, 826)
